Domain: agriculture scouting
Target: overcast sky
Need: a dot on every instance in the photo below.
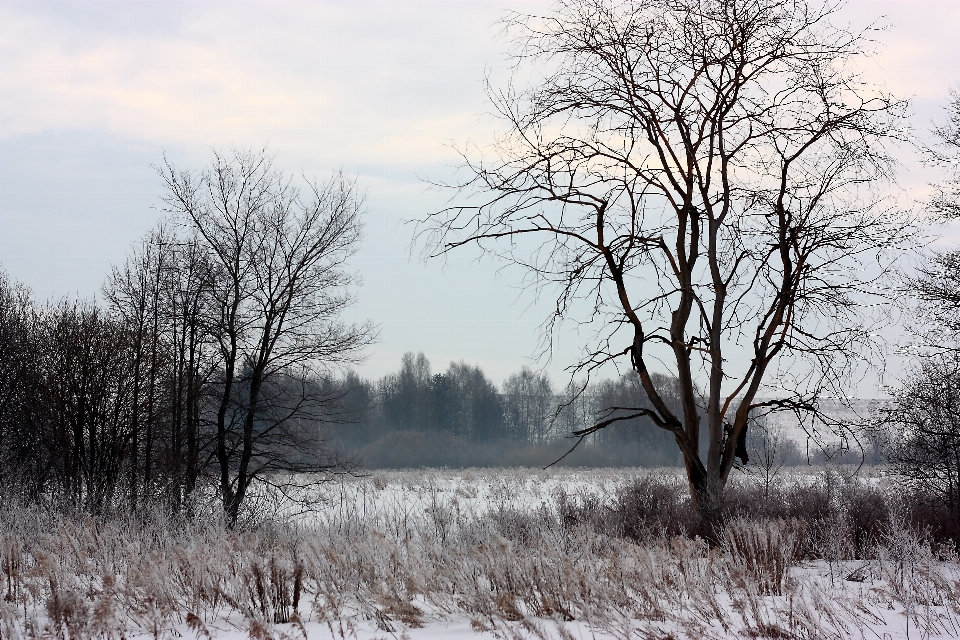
(93, 93)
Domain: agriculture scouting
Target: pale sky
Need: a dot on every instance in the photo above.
(93, 93)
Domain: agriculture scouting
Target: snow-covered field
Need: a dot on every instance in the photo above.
(474, 554)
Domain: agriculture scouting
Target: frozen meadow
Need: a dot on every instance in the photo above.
(564, 553)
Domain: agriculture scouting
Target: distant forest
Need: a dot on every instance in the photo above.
(416, 417)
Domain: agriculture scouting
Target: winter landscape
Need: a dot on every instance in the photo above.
(546, 320)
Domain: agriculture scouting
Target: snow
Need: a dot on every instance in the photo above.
(375, 530)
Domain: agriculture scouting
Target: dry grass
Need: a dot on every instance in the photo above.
(510, 562)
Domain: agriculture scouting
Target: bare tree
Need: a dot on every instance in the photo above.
(699, 179)
(528, 403)
(193, 361)
(946, 155)
(19, 445)
(134, 294)
(161, 294)
(277, 289)
(771, 449)
(922, 425)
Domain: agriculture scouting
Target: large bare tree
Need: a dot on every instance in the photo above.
(701, 180)
(277, 288)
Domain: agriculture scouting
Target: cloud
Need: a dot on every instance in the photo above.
(918, 53)
(359, 82)
(378, 83)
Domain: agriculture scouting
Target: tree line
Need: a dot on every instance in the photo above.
(216, 358)
(203, 362)
(136, 398)
(459, 417)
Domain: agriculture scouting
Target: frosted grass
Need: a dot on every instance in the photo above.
(447, 554)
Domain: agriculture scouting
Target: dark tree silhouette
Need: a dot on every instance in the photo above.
(277, 287)
(922, 425)
(161, 295)
(20, 448)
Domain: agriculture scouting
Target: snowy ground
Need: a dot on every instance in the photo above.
(426, 555)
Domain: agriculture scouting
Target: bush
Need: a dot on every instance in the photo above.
(842, 517)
